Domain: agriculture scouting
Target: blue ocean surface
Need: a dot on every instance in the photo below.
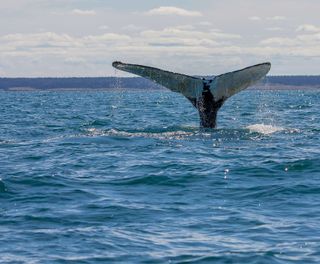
(127, 176)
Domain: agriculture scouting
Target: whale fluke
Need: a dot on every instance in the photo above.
(207, 95)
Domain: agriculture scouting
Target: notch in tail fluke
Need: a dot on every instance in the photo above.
(206, 95)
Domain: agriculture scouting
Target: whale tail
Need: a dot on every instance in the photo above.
(207, 95)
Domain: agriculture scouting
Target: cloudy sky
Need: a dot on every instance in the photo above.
(199, 37)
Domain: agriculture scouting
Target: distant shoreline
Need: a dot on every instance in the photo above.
(88, 89)
(116, 83)
(257, 88)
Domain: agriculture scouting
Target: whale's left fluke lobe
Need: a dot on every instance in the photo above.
(206, 95)
(187, 85)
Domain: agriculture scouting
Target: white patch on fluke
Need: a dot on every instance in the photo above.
(264, 129)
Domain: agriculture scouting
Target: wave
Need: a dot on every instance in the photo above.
(178, 134)
(2, 187)
(182, 133)
(264, 129)
(5, 142)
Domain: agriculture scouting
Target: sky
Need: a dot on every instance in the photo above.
(63, 38)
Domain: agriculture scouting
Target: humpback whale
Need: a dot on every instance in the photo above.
(206, 95)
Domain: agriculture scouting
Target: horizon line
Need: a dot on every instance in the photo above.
(66, 77)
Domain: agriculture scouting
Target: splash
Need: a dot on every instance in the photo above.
(264, 129)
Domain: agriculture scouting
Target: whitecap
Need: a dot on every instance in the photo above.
(264, 129)
(158, 135)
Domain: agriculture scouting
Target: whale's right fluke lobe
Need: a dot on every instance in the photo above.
(206, 95)
(228, 84)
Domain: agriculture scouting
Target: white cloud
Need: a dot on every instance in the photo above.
(172, 10)
(274, 29)
(104, 27)
(131, 27)
(98, 39)
(273, 18)
(178, 40)
(185, 27)
(38, 40)
(309, 39)
(188, 32)
(46, 52)
(83, 12)
(254, 18)
(308, 28)
(47, 43)
(277, 18)
(205, 23)
(186, 36)
(301, 45)
(74, 60)
(279, 41)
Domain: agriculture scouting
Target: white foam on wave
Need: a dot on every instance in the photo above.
(264, 129)
(3, 142)
(95, 132)
(159, 135)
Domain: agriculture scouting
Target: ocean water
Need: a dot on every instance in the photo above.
(127, 176)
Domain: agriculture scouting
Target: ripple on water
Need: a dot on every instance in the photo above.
(2, 187)
(97, 183)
